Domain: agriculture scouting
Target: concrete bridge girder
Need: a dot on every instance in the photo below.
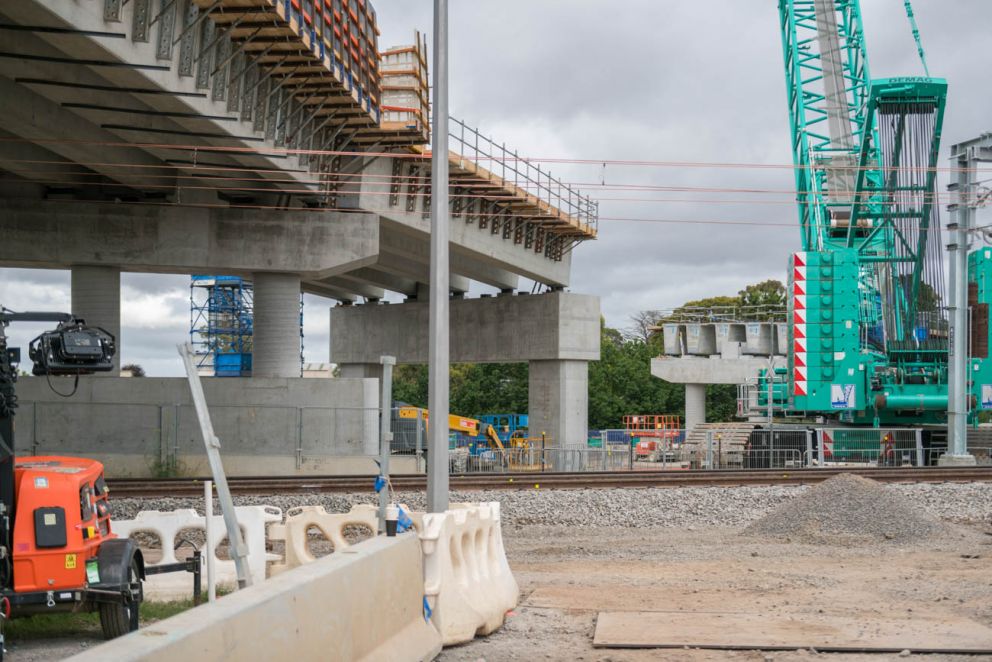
(401, 245)
(30, 115)
(371, 194)
(170, 239)
(381, 279)
(399, 264)
(155, 73)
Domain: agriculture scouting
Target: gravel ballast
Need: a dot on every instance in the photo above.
(849, 507)
(654, 507)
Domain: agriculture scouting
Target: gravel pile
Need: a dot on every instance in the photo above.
(659, 507)
(849, 507)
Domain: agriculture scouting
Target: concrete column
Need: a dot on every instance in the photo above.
(559, 402)
(695, 405)
(276, 336)
(96, 298)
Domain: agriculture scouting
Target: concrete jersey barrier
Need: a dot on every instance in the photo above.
(167, 525)
(363, 603)
(468, 582)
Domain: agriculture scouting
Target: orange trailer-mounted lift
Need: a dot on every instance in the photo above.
(57, 549)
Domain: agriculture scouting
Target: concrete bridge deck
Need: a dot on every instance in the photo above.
(233, 104)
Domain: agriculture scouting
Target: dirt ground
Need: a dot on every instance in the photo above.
(567, 576)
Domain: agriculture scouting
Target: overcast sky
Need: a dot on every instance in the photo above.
(655, 80)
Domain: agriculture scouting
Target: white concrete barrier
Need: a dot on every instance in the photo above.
(167, 525)
(364, 603)
(468, 583)
(293, 532)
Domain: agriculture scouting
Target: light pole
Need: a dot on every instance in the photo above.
(964, 160)
(438, 357)
(771, 404)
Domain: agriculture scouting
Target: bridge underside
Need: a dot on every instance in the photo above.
(147, 111)
(174, 137)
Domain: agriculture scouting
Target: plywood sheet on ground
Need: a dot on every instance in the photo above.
(872, 632)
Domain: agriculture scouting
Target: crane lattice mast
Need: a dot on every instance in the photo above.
(867, 323)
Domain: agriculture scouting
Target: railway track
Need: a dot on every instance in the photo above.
(263, 485)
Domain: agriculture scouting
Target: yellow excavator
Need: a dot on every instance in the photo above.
(482, 438)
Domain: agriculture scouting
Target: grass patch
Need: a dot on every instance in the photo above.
(52, 626)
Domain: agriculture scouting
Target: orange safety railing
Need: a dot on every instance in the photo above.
(652, 425)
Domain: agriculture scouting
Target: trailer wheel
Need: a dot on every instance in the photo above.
(119, 618)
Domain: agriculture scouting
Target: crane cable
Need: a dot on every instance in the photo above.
(916, 35)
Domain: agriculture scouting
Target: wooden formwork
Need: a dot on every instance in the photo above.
(324, 52)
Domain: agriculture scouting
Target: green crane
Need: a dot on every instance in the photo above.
(868, 327)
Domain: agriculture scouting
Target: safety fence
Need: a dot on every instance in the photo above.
(884, 447)
(538, 460)
(478, 149)
(981, 452)
(786, 448)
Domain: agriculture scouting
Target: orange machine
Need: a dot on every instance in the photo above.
(652, 434)
(57, 550)
(65, 555)
(65, 517)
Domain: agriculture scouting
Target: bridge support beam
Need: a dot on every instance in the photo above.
(557, 334)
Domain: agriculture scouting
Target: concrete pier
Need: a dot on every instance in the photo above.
(695, 405)
(558, 402)
(96, 298)
(276, 339)
(697, 372)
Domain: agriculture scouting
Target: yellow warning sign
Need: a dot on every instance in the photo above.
(70, 561)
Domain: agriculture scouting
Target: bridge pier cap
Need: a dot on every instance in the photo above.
(557, 334)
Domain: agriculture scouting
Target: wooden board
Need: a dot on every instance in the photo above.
(934, 632)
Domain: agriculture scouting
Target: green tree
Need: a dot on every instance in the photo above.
(489, 388)
(769, 293)
(621, 383)
(410, 384)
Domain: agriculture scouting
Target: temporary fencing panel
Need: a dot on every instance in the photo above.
(889, 447)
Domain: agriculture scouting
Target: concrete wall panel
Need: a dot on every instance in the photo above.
(142, 426)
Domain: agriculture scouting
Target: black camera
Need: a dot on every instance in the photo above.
(72, 349)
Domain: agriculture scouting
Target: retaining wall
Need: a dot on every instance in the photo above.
(147, 426)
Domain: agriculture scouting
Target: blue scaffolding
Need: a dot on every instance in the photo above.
(221, 325)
